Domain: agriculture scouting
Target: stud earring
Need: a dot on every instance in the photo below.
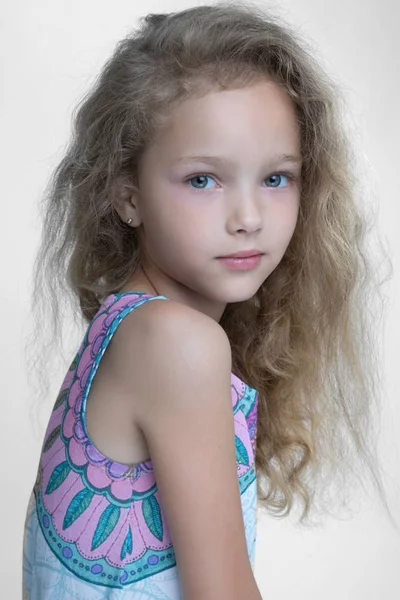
(129, 221)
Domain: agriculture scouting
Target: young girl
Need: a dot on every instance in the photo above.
(202, 382)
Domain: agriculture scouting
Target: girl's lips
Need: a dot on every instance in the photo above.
(244, 254)
(241, 263)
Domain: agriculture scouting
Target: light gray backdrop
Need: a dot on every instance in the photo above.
(50, 52)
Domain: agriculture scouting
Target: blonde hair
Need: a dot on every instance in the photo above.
(306, 340)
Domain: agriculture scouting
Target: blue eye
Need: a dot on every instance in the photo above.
(280, 175)
(198, 177)
(205, 176)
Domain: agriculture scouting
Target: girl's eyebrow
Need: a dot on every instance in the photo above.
(224, 160)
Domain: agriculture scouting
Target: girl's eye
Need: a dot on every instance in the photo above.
(276, 179)
(276, 182)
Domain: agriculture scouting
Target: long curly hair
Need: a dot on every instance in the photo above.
(308, 339)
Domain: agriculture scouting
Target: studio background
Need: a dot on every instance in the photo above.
(51, 52)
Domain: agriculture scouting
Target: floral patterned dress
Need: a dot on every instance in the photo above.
(95, 528)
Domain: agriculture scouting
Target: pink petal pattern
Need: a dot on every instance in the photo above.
(106, 514)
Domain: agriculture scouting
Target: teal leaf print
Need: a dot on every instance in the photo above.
(61, 398)
(52, 438)
(77, 506)
(241, 453)
(59, 474)
(152, 516)
(106, 524)
(127, 545)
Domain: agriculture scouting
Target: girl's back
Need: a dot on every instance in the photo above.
(98, 527)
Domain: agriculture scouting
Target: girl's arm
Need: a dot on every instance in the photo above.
(178, 365)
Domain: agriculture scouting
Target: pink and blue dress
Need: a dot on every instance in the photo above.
(95, 528)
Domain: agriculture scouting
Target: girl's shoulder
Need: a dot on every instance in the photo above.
(144, 321)
(152, 337)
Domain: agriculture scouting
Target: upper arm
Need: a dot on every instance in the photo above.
(182, 375)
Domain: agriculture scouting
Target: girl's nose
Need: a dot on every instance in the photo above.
(245, 214)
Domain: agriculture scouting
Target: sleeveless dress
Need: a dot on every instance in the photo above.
(95, 528)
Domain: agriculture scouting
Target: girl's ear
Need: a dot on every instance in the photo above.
(124, 197)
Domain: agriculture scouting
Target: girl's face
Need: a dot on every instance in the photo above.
(245, 195)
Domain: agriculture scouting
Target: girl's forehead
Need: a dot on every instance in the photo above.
(263, 113)
(265, 93)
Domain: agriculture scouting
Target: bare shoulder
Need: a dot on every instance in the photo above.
(165, 330)
(164, 343)
(182, 343)
(179, 364)
(164, 315)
